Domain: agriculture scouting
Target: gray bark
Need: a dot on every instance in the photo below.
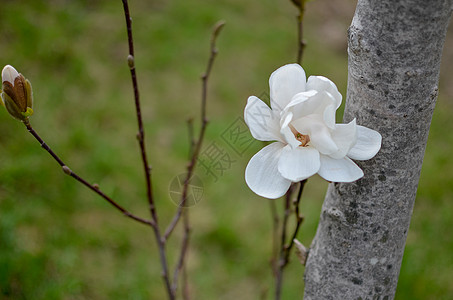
(394, 50)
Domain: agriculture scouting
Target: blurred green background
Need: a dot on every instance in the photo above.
(60, 241)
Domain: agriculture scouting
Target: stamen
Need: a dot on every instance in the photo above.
(304, 139)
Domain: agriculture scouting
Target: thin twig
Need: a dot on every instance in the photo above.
(185, 284)
(299, 220)
(146, 167)
(184, 247)
(94, 188)
(194, 149)
(286, 248)
(275, 225)
(204, 122)
(191, 137)
(281, 263)
(141, 131)
(300, 31)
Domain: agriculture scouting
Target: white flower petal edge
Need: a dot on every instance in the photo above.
(368, 144)
(261, 120)
(313, 102)
(299, 163)
(262, 176)
(321, 83)
(284, 83)
(286, 130)
(339, 170)
(345, 137)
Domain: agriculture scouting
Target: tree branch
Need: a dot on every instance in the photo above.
(182, 256)
(191, 137)
(300, 31)
(141, 131)
(196, 149)
(275, 225)
(94, 188)
(299, 221)
(146, 167)
(285, 249)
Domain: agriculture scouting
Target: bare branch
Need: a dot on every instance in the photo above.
(146, 167)
(300, 30)
(275, 225)
(94, 188)
(299, 220)
(191, 136)
(285, 249)
(184, 248)
(141, 131)
(204, 122)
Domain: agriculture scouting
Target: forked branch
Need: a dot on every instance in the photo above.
(194, 151)
(146, 167)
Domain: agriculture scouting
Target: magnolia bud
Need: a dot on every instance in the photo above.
(17, 94)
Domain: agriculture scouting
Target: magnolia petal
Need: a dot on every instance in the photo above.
(262, 176)
(287, 132)
(329, 116)
(345, 136)
(319, 133)
(284, 83)
(321, 83)
(301, 98)
(339, 170)
(368, 144)
(299, 163)
(9, 74)
(313, 102)
(261, 120)
(321, 139)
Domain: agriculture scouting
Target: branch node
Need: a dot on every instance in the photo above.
(131, 61)
(66, 170)
(139, 137)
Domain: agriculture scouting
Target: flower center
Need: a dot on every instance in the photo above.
(302, 138)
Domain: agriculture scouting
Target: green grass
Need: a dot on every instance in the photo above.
(60, 241)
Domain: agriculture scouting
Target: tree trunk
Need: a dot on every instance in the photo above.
(394, 50)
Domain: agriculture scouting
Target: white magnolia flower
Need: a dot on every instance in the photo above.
(302, 122)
